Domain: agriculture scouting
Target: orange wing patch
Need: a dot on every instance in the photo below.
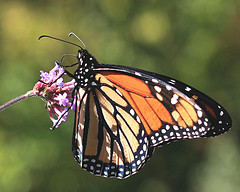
(160, 110)
(130, 120)
(134, 106)
(117, 154)
(189, 108)
(185, 108)
(107, 111)
(114, 96)
(128, 82)
(179, 119)
(130, 137)
(80, 116)
(105, 151)
(147, 112)
(92, 137)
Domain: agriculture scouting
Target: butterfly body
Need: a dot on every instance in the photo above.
(84, 72)
(123, 113)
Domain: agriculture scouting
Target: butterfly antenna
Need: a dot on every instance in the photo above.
(42, 36)
(70, 34)
(61, 61)
(67, 55)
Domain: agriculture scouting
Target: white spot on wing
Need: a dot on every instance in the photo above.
(93, 83)
(175, 127)
(187, 89)
(168, 87)
(132, 112)
(172, 81)
(138, 162)
(138, 120)
(144, 147)
(174, 99)
(163, 131)
(175, 96)
(221, 113)
(197, 107)
(158, 89)
(138, 74)
(200, 113)
(118, 92)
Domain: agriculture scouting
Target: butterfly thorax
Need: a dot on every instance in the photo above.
(84, 74)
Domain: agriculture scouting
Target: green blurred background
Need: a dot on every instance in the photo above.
(195, 41)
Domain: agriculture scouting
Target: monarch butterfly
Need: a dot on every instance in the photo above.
(122, 114)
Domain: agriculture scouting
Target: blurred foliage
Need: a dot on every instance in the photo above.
(197, 42)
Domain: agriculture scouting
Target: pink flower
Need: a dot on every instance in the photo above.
(57, 94)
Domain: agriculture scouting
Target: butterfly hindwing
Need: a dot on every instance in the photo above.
(108, 140)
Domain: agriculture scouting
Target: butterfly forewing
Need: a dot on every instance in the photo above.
(218, 117)
(166, 113)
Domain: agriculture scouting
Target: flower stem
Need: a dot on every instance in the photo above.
(17, 99)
